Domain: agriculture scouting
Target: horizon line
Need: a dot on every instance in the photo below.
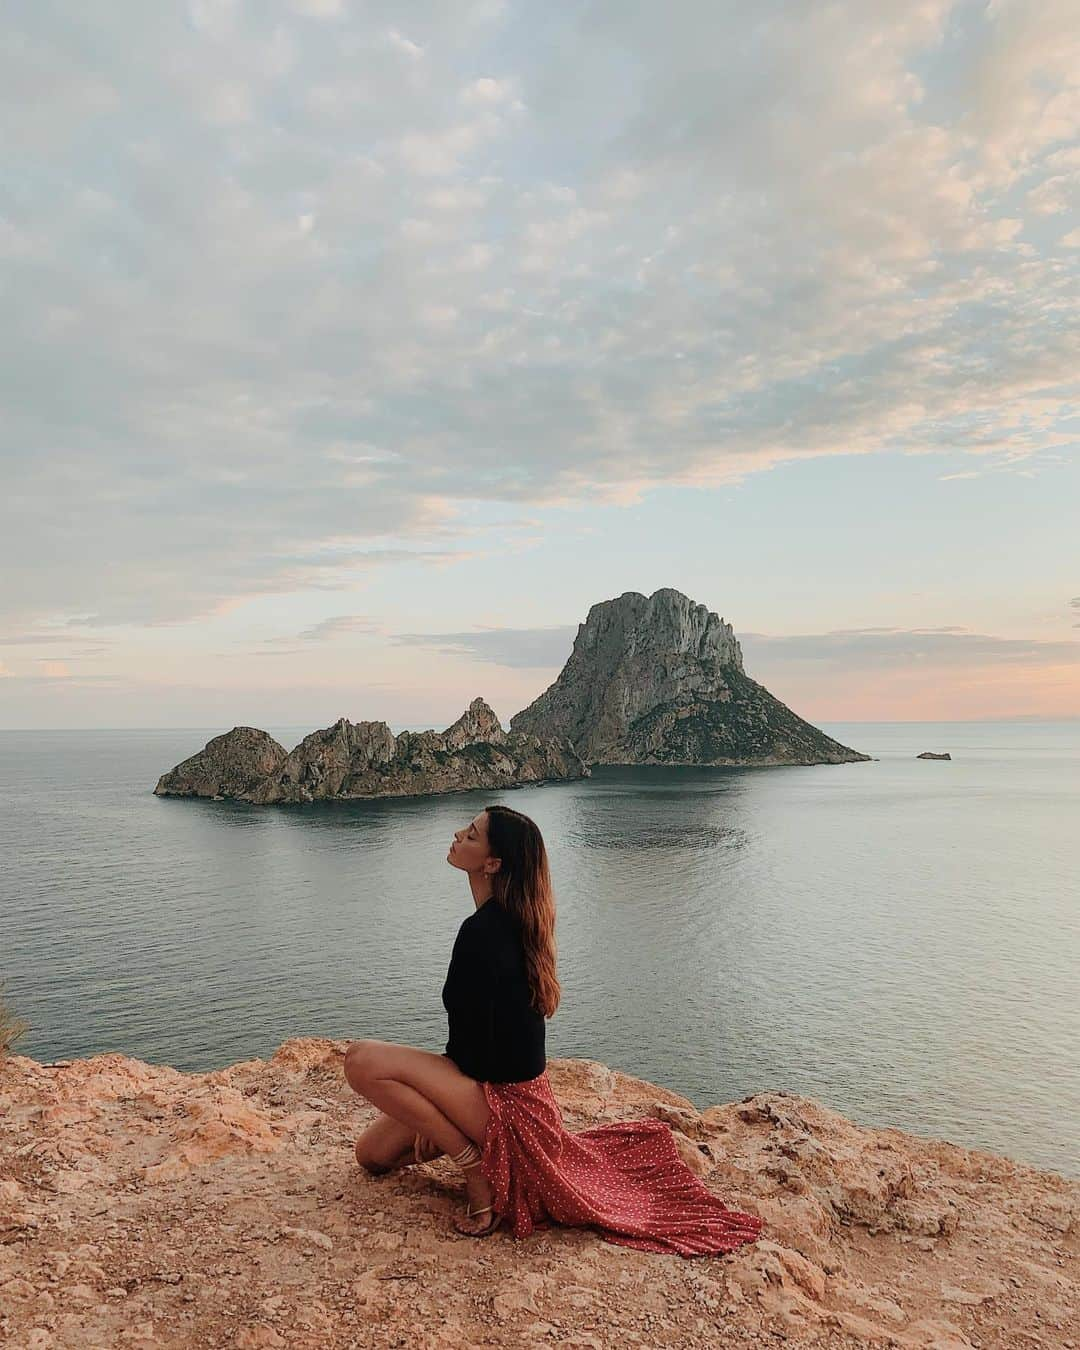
(860, 722)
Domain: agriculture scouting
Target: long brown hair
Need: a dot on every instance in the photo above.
(523, 886)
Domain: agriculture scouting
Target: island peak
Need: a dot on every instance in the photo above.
(660, 680)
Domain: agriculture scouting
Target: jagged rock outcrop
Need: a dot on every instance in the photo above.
(144, 1207)
(231, 765)
(929, 754)
(660, 680)
(366, 759)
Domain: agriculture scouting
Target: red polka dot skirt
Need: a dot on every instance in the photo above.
(624, 1179)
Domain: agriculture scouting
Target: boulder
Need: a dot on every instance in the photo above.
(228, 766)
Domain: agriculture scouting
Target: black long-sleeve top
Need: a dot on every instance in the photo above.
(496, 1036)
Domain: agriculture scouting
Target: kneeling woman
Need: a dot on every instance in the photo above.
(487, 1102)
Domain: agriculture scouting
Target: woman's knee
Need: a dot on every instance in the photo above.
(360, 1060)
(369, 1161)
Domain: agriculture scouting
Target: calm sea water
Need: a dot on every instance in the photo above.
(899, 939)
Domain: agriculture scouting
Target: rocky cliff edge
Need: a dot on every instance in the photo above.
(144, 1207)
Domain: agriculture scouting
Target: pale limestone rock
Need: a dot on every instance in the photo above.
(660, 680)
(18, 1290)
(309, 1237)
(227, 766)
(512, 1300)
(365, 759)
(477, 724)
(257, 1336)
(236, 1237)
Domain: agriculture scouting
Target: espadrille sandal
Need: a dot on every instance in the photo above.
(421, 1154)
(468, 1158)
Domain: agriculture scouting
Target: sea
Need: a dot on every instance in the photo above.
(898, 939)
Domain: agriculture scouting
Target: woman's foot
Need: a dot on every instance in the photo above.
(481, 1218)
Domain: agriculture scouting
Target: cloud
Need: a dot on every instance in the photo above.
(284, 274)
(854, 649)
(32, 639)
(326, 631)
(845, 652)
(487, 92)
(848, 650)
(516, 648)
(1053, 195)
(338, 626)
(319, 9)
(402, 44)
(53, 682)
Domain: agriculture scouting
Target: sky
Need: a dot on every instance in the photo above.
(352, 351)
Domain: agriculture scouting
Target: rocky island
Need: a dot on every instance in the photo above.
(366, 759)
(141, 1207)
(655, 680)
(660, 680)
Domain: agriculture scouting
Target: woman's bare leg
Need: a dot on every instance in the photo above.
(387, 1145)
(426, 1092)
(429, 1095)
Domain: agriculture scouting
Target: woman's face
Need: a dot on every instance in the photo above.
(469, 851)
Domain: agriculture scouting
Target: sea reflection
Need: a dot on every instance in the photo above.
(897, 938)
(664, 809)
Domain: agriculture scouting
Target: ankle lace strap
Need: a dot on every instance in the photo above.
(468, 1157)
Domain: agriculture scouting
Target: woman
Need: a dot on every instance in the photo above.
(491, 1089)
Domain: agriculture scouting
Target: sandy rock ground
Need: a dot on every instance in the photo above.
(144, 1207)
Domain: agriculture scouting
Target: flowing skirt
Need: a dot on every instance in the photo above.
(624, 1179)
